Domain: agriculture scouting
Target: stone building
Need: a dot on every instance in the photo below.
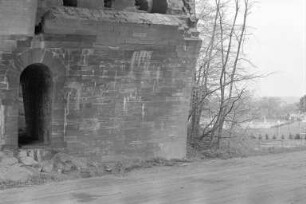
(97, 78)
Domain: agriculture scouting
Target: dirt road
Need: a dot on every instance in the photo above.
(272, 179)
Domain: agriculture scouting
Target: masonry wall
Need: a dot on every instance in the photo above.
(127, 88)
(121, 89)
(174, 6)
(17, 17)
(126, 102)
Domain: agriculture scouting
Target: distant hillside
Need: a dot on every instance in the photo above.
(287, 99)
(290, 99)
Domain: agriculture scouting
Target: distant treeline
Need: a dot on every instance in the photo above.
(273, 108)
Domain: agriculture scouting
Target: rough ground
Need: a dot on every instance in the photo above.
(271, 179)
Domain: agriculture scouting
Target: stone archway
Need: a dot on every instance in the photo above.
(46, 68)
(35, 108)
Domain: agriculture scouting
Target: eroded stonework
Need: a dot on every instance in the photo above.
(121, 77)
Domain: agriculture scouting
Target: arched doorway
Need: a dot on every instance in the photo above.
(35, 102)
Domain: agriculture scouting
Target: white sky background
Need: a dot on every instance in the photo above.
(278, 45)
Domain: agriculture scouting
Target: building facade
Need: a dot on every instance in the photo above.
(107, 79)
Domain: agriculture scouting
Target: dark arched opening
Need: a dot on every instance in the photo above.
(72, 3)
(142, 5)
(159, 6)
(152, 6)
(35, 105)
(108, 3)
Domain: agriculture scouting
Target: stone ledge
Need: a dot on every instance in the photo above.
(114, 16)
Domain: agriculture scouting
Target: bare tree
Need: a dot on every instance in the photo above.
(221, 74)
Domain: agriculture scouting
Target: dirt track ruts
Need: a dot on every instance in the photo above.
(271, 179)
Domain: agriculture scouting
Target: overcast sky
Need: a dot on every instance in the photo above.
(278, 45)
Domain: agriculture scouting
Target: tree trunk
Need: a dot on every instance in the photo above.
(195, 117)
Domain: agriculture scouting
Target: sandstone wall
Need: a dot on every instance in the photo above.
(17, 17)
(121, 82)
(174, 6)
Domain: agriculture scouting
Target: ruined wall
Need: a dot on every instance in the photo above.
(17, 20)
(121, 82)
(17, 17)
(128, 84)
(174, 6)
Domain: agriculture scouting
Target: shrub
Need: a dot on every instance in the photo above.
(290, 136)
(274, 137)
(283, 137)
(259, 137)
(267, 136)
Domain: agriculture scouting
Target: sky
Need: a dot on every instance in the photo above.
(278, 47)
